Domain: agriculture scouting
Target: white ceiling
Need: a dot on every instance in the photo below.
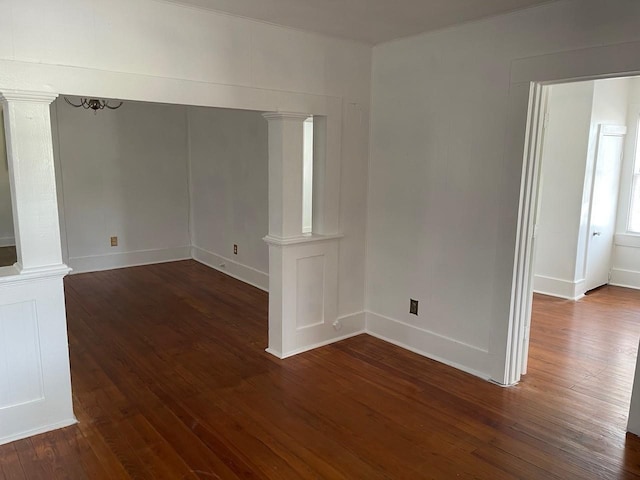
(370, 21)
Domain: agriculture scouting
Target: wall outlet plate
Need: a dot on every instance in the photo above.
(413, 306)
(114, 241)
(235, 249)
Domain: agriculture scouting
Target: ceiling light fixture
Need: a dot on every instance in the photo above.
(93, 104)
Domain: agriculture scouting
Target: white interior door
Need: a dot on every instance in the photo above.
(604, 202)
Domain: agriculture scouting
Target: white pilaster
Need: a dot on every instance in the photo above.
(35, 382)
(286, 132)
(31, 172)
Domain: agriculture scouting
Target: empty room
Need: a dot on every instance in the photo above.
(292, 239)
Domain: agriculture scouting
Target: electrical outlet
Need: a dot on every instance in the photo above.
(114, 241)
(235, 249)
(413, 306)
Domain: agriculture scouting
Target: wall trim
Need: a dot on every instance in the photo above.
(556, 287)
(627, 240)
(357, 320)
(625, 278)
(305, 238)
(36, 431)
(232, 268)
(7, 241)
(430, 344)
(96, 263)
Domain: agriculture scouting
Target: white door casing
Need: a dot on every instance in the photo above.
(603, 204)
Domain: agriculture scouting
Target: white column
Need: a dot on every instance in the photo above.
(286, 146)
(286, 132)
(35, 382)
(303, 269)
(32, 176)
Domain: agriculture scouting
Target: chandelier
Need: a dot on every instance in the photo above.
(93, 104)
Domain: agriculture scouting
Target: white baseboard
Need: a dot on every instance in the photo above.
(128, 259)
(467, 358)
(557, 287)
(234, 269)
(351, 326)
(37, 431)
(625, 278)
(7, 241)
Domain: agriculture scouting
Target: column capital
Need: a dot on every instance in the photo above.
(27, 96)
(286, 116)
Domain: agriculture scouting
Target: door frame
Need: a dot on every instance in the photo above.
(522, 288)
(611, 61)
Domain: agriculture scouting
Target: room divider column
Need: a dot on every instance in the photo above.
(32, 177)
(303, 268)
(35, 384)
(286, 132)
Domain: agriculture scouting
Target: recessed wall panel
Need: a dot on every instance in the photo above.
(21, 378)
(310, 291)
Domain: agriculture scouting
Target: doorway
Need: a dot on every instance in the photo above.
(584, 194)
(580, 181)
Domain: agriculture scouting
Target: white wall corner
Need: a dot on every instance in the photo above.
(556, 287)
(96, 263)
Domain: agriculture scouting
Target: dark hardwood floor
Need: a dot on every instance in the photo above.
(171, 381)
(7, 256)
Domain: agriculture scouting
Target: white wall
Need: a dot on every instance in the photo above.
(122, 173)
(443, 194)
(6, 217)
(163, 179)
(229, 191)
(626, 254)
(564, 161)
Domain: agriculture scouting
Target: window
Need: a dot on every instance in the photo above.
(634, 209)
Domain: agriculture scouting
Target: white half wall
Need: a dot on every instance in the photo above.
(229, 159)
(122, 173)
(445, 179)
(6, 216)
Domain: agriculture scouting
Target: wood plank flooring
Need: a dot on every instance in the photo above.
(7, 256)
(171, 381)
